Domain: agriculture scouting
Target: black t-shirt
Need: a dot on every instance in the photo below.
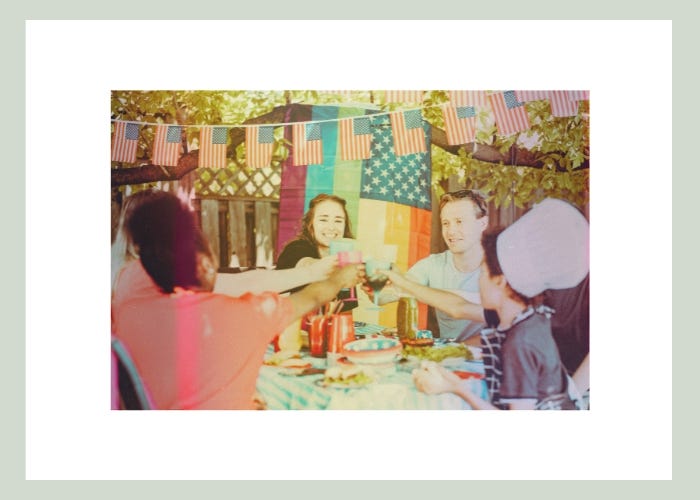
(296, 250)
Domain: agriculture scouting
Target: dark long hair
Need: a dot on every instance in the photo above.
(307, 222)
(169, 241)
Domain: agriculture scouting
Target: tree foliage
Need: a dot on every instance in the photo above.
(562, 144)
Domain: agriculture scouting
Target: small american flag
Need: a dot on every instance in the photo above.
(460, 124)
(561, 105)
(306, 140)
(531, 95)
(511, 115)
(404, 96)
(212, 147)
(579, 95)
(167, 146)
(125, 141)
(259, 142)
(475, 98)
(355, 138)
(407, 128)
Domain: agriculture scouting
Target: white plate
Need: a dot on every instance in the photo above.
(338, 385)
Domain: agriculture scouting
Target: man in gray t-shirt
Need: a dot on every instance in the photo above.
(463, 218)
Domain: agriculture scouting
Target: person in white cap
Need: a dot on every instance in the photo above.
(546, 249)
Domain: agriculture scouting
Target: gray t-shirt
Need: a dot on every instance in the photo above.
(438, 271)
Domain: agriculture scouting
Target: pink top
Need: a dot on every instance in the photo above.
(196, 350)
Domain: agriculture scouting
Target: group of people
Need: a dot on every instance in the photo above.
(194, 347)
(198, 340)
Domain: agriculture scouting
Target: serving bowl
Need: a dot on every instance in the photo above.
(374, 350)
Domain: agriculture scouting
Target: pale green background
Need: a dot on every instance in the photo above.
(684, 41)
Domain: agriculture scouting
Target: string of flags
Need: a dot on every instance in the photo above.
(460, 115)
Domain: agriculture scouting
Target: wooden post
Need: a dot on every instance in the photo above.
(210, 226)
(237, 232)
(263, 234)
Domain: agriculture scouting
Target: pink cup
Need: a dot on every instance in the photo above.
(347, 257)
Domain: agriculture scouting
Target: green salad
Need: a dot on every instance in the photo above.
(438, 353)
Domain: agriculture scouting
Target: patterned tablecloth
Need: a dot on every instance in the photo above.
(393, 389)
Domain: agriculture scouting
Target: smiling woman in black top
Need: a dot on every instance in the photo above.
(326, 220)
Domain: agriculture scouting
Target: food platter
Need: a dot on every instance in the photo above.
(346, 377)
(343, 385)
(440, 353)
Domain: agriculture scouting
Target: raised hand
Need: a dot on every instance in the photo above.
(432, 378)
(348, 276)
(323, 267)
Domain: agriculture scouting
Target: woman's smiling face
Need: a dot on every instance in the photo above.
(328, 222)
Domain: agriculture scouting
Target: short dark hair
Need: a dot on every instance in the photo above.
(477, 199)
(168, 240)
(489, 241)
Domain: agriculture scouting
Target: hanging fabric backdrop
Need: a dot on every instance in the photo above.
(388, 196)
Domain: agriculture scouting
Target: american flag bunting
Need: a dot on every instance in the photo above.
(306, 140)
(259, 142)
(511, 115)
(125, 141)
(475, 98)
(404, 96)
(531, 95)
(579, 95)
(407, 128)
(355, 138)
(167, 146)
(212, 147)
(460, 124)
(561, 105)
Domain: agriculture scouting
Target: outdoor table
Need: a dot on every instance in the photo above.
(393, 390)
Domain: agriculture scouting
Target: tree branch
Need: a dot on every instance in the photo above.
(154, 173)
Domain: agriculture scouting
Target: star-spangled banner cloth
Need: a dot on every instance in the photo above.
(407, 129)
(404, 96)
(510, 114)
(531, 95)
(167, 145)
(355, 138)
(307, 143)
(579, 95)
(212, 147)
(460, 124)
(561, 105)
(259, 142)
(125, 141)
(475, 98)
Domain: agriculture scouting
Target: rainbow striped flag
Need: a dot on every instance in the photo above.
(388, 196)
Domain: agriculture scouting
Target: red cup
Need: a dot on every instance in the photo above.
(318, 336)
(340, 332)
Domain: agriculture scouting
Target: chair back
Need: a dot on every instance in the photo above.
(132, 393)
